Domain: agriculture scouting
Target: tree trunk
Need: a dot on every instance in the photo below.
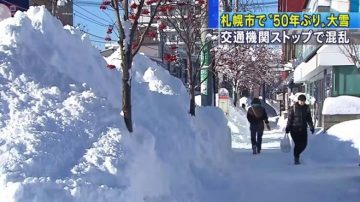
(192, 100)
(126, 91)
(191, 86)
(54, 6)
(235, 98)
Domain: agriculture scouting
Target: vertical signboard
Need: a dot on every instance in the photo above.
(224, 100)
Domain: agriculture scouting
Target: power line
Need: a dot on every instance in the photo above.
(90, 19)
(93, 14)
(104, 42)
(93, 35)
(93, 4)
(94, 22)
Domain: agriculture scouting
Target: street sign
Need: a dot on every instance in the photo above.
(224, 100)
(203, 79)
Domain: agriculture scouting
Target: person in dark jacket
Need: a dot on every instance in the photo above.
(298, 120)
(256, 116)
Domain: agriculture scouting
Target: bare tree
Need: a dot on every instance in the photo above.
(247, 66)
(352, 51)
(186, 17)
(127, 14)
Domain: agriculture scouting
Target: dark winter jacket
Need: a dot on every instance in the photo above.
(299, 117)
(256, 114)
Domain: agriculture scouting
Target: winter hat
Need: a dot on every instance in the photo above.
(302, 97)
(256, 101)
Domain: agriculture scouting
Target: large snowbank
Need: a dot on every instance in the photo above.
(347, 131)
(335, 105)
(340, 143)
(62, 137)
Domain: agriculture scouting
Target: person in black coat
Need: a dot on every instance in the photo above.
(298, 120)
(256, 116)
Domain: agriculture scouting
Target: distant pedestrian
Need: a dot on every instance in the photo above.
(298, 120)
(256, 116)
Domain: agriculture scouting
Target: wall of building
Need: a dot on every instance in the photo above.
(330, 120)
(291, 5)
(64, 13)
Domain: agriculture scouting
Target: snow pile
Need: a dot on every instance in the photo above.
(335, 105)
(340, 143)
(246, 101)
(347, 131)
(62, 137)
(239, 126)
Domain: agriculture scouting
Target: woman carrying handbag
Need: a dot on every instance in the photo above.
(298, 121)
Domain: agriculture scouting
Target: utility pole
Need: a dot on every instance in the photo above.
(206, 76)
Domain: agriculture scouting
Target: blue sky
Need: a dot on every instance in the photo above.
(95, 21)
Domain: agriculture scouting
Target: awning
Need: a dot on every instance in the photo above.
(326, 55)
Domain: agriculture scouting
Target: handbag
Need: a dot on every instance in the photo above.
(285, 144)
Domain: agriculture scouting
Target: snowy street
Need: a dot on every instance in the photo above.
(272, 175)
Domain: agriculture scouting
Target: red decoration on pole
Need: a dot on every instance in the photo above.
(133, 6)
(201, 2)
(106, 2)
(162, 26)
(173, 47)
(145, 11)
(133, 17)
(111, 66)
(110, 29)
(170, 58)
(152, 34)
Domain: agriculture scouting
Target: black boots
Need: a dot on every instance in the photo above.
(254, 149)
(297, 161)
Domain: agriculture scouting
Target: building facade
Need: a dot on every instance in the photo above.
(325, 70)
(63, 13)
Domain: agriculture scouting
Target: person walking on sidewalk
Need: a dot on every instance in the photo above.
(298, 119)
(256, 116)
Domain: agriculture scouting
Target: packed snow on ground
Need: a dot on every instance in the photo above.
(329, 170)
(62, 137)
(335, 105)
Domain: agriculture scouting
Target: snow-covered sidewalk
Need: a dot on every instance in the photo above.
(329, 170)
(272, 177)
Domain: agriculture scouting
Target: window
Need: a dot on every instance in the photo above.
(346, 81)
(172, 38)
